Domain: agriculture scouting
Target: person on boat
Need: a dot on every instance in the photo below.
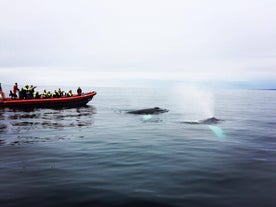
(44, 94)
(79, 91)
(24, 92)
(2, 94)
(12, 95)
(32, 91)
(15, 89)
(37, 95)
(49, 94)
(55, 94)
(60, 92)
(69, 94)
(29, 94)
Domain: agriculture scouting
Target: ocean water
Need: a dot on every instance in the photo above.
(101, 156)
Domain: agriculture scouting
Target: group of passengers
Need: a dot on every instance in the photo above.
(29, 93)
(56, 94)
(25, 93)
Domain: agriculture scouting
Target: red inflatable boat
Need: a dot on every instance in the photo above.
(73, 101)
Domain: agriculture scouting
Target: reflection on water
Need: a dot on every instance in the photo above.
(36, 125)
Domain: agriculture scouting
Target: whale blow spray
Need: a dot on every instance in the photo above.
(195, 103)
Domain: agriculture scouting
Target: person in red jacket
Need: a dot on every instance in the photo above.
(15, 89)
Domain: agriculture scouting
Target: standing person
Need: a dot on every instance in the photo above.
(79, 91)
(15, 89)
(32, 91)
(25, 92)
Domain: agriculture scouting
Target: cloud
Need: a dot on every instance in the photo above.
(191, 40)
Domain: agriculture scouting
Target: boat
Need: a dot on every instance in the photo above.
(62, 102)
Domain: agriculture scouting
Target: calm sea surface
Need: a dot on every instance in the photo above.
(101, 156)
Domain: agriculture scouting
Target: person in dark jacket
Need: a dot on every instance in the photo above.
(24, 92)
(32, 91)
(79, 91)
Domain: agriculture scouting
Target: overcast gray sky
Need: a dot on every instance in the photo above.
(111, 42)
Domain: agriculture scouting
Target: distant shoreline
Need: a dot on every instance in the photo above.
(266, 89)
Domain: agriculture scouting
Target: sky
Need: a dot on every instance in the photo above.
(138, 42)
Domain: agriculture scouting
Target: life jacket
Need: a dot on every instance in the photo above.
(44, 94)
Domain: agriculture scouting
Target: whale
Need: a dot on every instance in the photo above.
(212, 120)
(211, 123)
(155, 110)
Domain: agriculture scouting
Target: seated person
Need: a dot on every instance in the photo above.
(79, 91)
(12, 95)
(49, 94)
(60, 92)
(55, 94)
(69, 94)
(37, 95)
(44, 95)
